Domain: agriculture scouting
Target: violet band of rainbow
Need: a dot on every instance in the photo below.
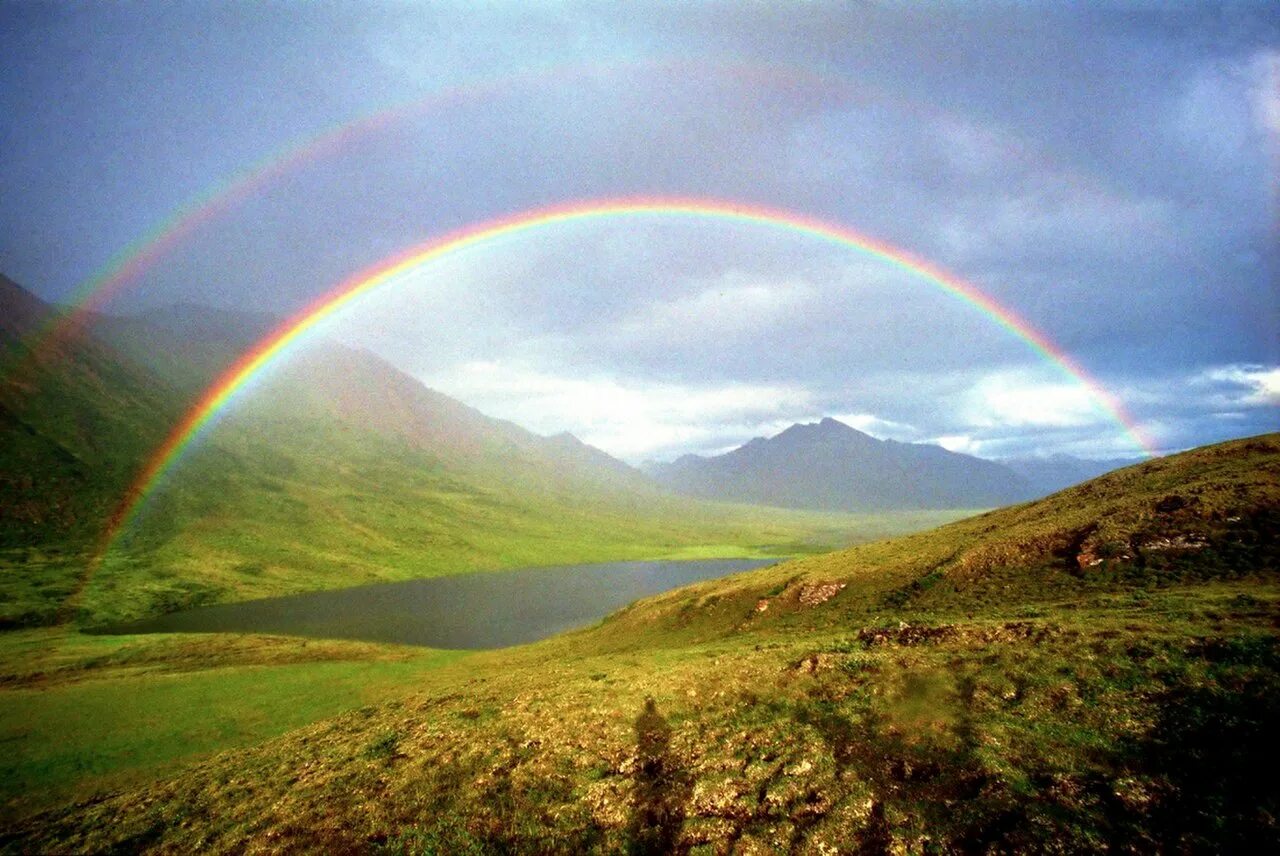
(291, 331)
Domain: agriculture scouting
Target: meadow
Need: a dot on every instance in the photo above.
(88, 713)
(1094, 670)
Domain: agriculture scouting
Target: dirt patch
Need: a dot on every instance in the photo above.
(906, 634)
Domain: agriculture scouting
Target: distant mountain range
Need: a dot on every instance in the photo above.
(1056, 472)
(829, 465)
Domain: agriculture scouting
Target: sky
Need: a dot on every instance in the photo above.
(1107, 172)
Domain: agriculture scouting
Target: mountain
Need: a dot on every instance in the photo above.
(828, 465)
(1053, 473)
(332, 469)
(23, 311)
(196, 322)
(75, 418)
(186, 343)
(363, 392)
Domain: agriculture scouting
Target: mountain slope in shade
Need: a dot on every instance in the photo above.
(331, 468)
(22, 311)
(75, 417)
(188, 344)
(193, 345)
(828, 465)
(360, 390)
(1057, 472)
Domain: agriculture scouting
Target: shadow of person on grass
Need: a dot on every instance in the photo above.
(661, 787)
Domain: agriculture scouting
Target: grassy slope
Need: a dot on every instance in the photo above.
(73, 427)
(986, 685)
(334, 473)
(271, 507)
(84, 713)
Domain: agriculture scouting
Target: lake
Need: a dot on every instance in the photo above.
(482, 610)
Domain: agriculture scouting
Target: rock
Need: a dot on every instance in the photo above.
(813, 664)
(1189, 541)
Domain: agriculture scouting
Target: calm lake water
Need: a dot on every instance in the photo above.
(484, 610)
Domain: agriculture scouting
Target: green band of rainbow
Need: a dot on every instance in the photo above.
(221, 392)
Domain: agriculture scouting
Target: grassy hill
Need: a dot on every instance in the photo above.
(1093, 671)
(335, 469)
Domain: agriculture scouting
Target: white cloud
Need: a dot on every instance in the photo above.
(962, 443)
(1242, 385)
(1023, 399)
(1216, 390)
(884, 429)
(1265, 70)
(632, 420)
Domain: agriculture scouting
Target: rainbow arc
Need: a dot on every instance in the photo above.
(385, 273)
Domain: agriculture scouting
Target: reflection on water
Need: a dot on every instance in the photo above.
(484, 610)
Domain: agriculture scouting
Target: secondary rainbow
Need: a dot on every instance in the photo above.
(224, 389)
(136, 258)
(133, 260)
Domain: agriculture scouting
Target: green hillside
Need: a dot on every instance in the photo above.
(290, 493)
(1094, 671)
(334, 469)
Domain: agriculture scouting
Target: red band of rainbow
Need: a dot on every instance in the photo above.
(291, 331)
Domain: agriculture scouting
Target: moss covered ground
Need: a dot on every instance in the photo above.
(1093, 672)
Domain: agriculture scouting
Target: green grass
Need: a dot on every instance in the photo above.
(975, 688)
(273, 503)
(84, 714)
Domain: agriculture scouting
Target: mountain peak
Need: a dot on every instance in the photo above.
(826, 429)
(830, 465)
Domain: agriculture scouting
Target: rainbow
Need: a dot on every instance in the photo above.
(127, 265)
(140, 255)
(220, 394)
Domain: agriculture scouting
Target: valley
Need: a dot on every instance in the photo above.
(848, 690)
(648, 428)
(895, 653)
(337, 470)
(988, 683)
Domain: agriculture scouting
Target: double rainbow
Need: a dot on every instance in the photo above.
(132, 261)
(220, 394)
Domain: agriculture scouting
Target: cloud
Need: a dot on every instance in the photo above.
(1266, 91)
(735, 304)
(1239, 386)
(1024, 399)
(883, 429)
(1106, 175)
(962, 443)
(635, 420)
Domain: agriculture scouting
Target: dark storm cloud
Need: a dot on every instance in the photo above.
(1104, 171)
